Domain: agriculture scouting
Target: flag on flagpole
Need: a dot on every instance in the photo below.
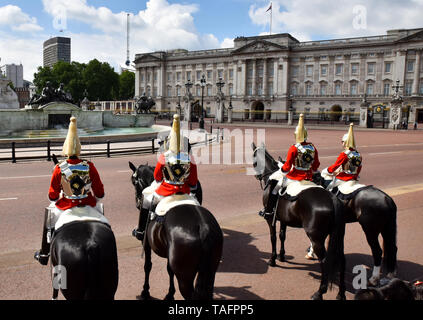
(270, 7)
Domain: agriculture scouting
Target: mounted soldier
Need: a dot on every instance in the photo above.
(175, 174)
(75, 191)
(347, 166)
(301, 162)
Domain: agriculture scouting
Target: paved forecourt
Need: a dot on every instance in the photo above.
(391, 161)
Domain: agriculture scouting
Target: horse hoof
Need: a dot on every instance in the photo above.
(282, 258)
(341, 296)
(317, 296)
(310, 257)
(169, 298)
(145, 295)
(271, 263)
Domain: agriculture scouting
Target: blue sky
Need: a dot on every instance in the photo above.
(98, 27)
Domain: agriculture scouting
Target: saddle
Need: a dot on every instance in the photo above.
(78, 214)
(172, 201)
(295, 188)
(349, 189)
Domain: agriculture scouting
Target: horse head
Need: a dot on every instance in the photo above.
(264, 164)
(141, 178)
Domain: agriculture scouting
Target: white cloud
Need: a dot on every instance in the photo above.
(322, 19)
(13, 17)
(161, 26)
(227, 43)
(17, 50)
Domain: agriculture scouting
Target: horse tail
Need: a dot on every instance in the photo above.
(93, 288)
(335, 259)
(389, 235)
(211, 238)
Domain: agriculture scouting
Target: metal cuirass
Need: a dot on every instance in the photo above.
(305, 157)
(75, 179)
(353, 163)
(177, 168)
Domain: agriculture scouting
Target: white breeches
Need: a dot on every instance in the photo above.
(149, 194)
(55, 213)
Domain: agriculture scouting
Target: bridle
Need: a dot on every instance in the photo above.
(140, 185)
(261, 176)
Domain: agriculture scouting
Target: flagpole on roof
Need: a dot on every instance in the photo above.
(270, 8)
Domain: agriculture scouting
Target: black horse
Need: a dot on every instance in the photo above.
(395, 289)
(318, 212)
(84, 261)
(189, 237)
(376, 212)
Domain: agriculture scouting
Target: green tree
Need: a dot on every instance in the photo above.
(98, 78)
(126, 85)
(102, 82)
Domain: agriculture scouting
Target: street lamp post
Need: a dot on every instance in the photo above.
(188, 98)
(219, 98)
(203, 85)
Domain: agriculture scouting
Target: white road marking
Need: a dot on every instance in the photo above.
(24, 177)
(4, 199)
(379, 153)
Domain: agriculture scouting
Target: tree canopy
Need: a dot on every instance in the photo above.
(98, 78)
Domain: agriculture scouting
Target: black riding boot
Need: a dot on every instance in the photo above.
(139, 232)
(268, 211)
(42, 255)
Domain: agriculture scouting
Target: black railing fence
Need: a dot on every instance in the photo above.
(19, 151)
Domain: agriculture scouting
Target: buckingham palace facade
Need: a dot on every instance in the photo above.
(265, 76)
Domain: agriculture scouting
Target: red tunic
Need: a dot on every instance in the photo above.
(167, 189)
(65, 203)
(296, 174)
(342, 159)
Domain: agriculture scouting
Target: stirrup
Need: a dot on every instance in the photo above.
(138, 234)
(41, 258)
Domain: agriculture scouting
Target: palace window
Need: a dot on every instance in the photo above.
(338, 69)
(338, 88)
(294, 89)
(386, 89)
(410, 66)
(309, 71)
(231, 74)
(353, 88)
(408, 86)
(178, 76)
(371, 68)
(369, 89)
(295, 71)
(388, 66)
(323, 89)
(323, 70)
(209, 75)
(309, 89)
(354, 68)
(188, 75)
(198, 75)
